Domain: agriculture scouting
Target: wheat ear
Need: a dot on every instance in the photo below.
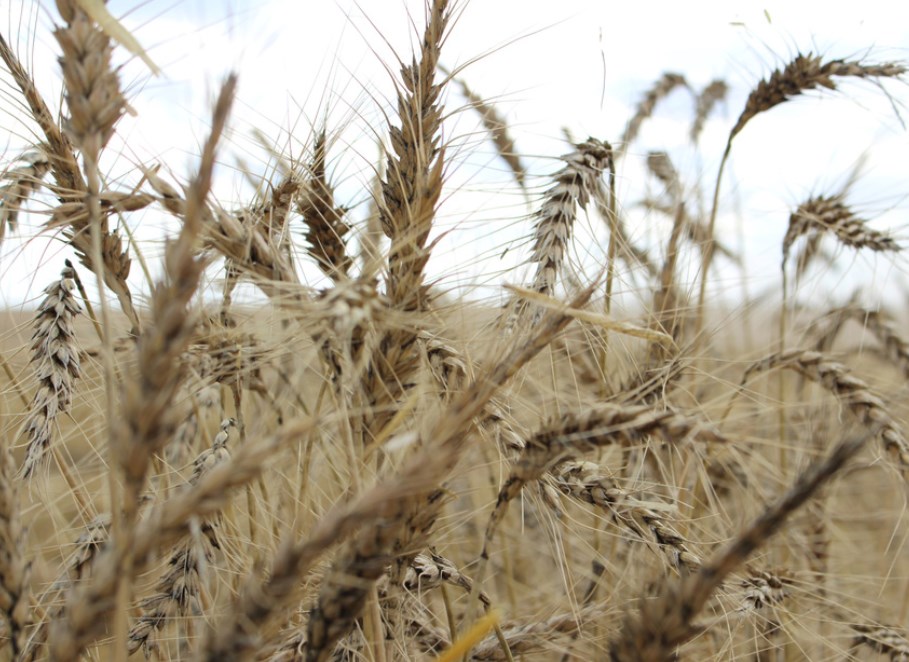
(326, 229)
(573, 188)
(709, 97)
(803, 73)
(497, 127)
(413, 174)
(821, 214)
(854, 393)
(95, 103)
(148, 420)
(884, 640)
(588, 483)
(177, 593)
(57, 367)
(664, 85)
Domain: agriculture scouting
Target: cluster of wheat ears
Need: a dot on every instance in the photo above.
(376, 470)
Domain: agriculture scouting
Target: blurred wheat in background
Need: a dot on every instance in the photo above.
(282, 435)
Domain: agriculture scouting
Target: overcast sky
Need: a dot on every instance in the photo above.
(577, 64)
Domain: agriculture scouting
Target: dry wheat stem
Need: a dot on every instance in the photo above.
(15, 566)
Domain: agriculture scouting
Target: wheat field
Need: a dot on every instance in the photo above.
(603, 460)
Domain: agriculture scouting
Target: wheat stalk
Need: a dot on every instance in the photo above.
(15, 567)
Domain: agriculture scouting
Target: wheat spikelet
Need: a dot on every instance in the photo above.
(424, 573)
(324, 220)
(855, 394)
(575, 184)
(57, 366)
(413, 174)
(762, 588)
(711, 95)
(666, 298)
(20, 180)
(660, 90)
(821, 214)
